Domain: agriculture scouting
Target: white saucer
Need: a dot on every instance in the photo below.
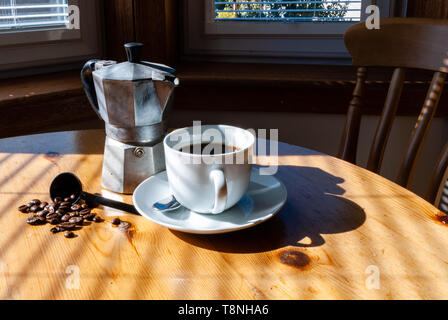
(264, 199)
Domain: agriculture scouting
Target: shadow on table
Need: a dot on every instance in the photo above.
(314, 208)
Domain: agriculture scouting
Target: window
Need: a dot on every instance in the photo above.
(288, 11)
(27, 14)
(36, 33)
(302, 31)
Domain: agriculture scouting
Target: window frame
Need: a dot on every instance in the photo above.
(242, 41)
(52, 46)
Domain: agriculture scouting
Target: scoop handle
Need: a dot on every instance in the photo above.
(109, 203)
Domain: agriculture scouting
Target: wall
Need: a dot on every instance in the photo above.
(322, 133)
(428, 8)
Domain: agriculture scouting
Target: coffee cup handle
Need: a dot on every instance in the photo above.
(219, 181)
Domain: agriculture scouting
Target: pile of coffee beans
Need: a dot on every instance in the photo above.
(64, 214)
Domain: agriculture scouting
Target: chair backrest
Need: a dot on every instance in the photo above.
(401, 43)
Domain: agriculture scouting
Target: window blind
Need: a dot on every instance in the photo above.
(30, 14)
(279, 10)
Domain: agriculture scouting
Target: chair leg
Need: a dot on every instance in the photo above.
(436, 183)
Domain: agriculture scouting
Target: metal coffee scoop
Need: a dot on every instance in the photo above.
(67, 184)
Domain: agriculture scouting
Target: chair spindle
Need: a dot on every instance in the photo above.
(387, 118)
(349, 142)
(421, 130)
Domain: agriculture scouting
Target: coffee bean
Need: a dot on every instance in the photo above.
(69, 235)
(50, 216)
(36, 221)
(76, 207)
(90, 217)
(73, 197)
(51, 208)
(35, 202)
(67, 226)
(97, 219)
(66, 204)
(67, 199)
(74, 214)
(77, 220)
(65, 218)
(34, 208)
(57, 200)
(54, 221)
(61, 211)
(43, 205)
(56, 230)
(31, 220)
(65, 208)
(42, 214)
(85, 212)
(116, 221)
(84, 206)
(23, 209)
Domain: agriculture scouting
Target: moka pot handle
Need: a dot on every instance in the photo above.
(89, 86)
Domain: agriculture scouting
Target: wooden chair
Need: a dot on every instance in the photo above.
(401, 43)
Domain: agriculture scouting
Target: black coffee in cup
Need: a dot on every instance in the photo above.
(209, 148)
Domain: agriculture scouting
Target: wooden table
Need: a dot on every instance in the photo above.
(345, 233)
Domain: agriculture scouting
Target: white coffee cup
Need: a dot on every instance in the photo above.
(209, 183)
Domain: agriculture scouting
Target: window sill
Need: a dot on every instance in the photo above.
(36, 86)
(259, 73)
(44, 103)
(57, 101)
(293, 88)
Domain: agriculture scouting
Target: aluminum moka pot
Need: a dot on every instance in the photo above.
(134, 99)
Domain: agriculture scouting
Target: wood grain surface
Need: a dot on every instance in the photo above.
(345, 233)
